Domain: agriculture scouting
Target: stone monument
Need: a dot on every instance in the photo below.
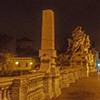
(47, 55)
(47, 52)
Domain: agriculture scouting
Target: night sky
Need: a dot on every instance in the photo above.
(23, 18)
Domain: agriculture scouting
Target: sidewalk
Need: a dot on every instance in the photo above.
(83, 89)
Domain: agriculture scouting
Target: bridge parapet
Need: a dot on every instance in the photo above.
(25, 87)
(5, 88)
(70, 74)
(28, 87)
(38, 86)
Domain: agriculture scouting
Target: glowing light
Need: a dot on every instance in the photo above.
(16, 62)
(98, 64)
(31, 63)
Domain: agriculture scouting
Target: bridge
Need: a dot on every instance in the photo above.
(51, 82)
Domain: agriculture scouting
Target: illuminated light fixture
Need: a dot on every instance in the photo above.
(31, 63)
(16, 62)
(98, 64)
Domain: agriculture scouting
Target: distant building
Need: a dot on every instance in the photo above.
(23, 63)
(20, 52)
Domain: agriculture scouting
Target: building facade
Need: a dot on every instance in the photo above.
(23, 63)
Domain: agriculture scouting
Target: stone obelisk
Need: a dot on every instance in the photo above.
(47, 52)
(48, 41)
(47, 55)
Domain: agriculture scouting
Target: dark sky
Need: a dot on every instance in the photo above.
(23, 18)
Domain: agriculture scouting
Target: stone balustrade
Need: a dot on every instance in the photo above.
(35, 88)
(38, 86)
(28, 87)
(70, 74)
(5, 88)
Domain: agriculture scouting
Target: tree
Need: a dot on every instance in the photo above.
(7, 51)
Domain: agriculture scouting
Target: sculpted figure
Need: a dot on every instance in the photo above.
(80, 44)
(78, 39)
(78, 52)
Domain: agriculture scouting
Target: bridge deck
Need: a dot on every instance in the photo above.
(83, 89)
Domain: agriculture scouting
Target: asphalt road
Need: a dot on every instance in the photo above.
(83, 89)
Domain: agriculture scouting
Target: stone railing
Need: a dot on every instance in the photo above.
(70, 74)
(38, 86)
(35, 88)
(5, 88)
(28, 87)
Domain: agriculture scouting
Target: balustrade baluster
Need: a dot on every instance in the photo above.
(0, 94)
(8, 94)
(5, 94)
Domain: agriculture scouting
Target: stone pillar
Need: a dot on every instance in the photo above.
(47, 38)
(47, 55)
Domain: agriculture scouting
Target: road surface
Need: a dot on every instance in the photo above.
(83, 89)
